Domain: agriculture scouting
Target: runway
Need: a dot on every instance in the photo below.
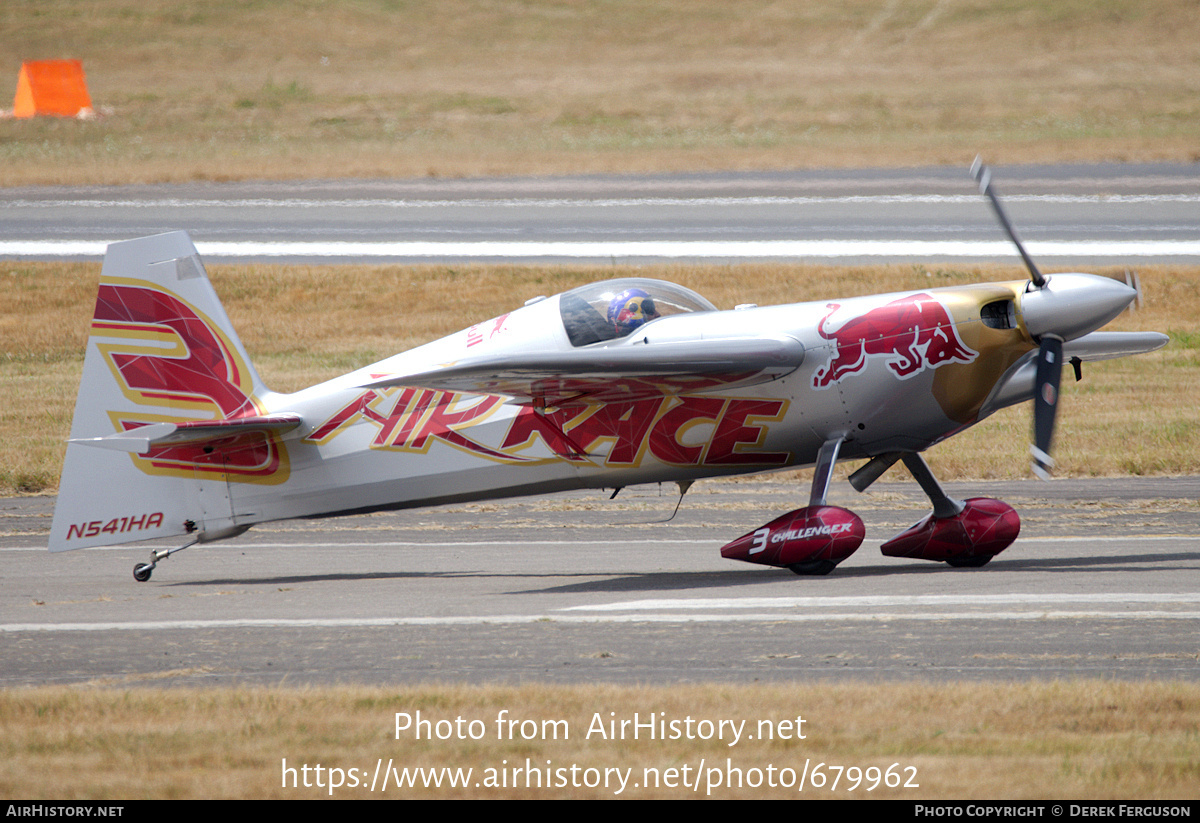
(576, 588)
(1076, 215)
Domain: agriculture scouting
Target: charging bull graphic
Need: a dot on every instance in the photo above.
(913, 333)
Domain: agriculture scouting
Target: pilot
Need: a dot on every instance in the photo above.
(630, 309)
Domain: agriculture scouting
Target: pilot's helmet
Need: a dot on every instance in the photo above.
(630, 309)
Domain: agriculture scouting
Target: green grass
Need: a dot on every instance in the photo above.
(1094, 740)
(369, 88)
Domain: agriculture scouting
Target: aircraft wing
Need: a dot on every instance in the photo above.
(1019, 383)
(142, 439)
(615, 373)
(1108, 345)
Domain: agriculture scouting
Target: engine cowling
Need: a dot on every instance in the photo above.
(984, 528)
(812, 540)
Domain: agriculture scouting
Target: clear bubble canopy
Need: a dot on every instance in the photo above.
(612, 309)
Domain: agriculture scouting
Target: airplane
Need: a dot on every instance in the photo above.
(621, 382)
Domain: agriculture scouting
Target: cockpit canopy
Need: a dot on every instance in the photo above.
(615, 308)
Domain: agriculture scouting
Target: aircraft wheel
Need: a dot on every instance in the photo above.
(813, 567)
(969, 562)
(141, 572)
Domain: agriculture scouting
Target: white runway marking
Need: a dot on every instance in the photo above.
(507, 620)
(895, 600)
(393, 544)
(746, 249)
(1044, 607)
(583, 202)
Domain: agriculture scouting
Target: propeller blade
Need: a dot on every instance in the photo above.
(1045, 403)
(1134, 282)
(983, 176)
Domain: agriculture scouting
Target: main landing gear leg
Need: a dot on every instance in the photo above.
(823, 472)
(963, 533)
(943, 505)
(141, 572)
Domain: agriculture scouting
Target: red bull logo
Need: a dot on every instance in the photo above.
(912, 334)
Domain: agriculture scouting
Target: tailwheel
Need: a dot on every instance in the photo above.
(142, 571)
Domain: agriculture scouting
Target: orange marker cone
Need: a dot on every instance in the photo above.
(51, 87)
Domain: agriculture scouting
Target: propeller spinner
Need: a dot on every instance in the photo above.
(1055, 309)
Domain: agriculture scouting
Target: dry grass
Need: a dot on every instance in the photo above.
(303, 325)
(1093, 740)
(223, 89)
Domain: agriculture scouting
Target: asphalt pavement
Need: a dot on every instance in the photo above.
(577, 588)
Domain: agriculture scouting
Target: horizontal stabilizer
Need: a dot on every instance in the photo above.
(142, 439)
(608, 374)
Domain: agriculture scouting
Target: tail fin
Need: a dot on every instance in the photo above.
(169, 409)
